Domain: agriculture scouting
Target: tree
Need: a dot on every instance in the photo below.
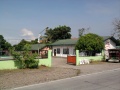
(26, 58)
(4, 45)
(83, 31)
(34, 41)
(61, 32)
(20, 46)
(91, 43)
(116, 24)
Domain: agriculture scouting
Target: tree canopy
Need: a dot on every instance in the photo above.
(20, 45)
(4, 45)
(90, 42)
(60, 32)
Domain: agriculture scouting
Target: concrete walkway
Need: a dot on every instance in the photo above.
(85, 69)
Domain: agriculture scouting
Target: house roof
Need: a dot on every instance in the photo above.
(65, 42)
(110, 37)
(37, 46)
(74, 41)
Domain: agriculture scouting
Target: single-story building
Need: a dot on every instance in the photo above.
(40, 49)
(110, 43)
(64, 47)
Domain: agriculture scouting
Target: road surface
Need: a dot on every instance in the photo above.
(106, 80)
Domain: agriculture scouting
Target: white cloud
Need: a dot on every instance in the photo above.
(28, 34)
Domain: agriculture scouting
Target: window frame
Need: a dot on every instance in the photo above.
(58, 50)
(65, 50)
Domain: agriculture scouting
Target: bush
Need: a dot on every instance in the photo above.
(26, 58)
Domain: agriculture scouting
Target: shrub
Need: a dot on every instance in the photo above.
(26, 58)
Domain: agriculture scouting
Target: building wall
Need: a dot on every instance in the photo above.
(71, 50)
(109, 44)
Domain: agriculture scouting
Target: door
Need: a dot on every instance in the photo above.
(54, 52)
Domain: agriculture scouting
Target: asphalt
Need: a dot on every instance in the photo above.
(106, 80)
(100, 76)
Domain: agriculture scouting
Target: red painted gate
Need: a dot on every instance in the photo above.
(71, 59)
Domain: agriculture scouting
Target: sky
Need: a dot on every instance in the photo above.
(25, 19)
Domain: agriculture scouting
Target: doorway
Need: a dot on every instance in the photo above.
(54, 52)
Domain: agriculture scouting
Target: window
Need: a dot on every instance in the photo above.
(58, 50)
(65, 51)
(74, 53)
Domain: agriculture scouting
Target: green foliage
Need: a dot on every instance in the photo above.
(34, 41)
(4, 45)
(90, 42)
(22, 43)
(61, 32)
(20, 46)
(26, 58)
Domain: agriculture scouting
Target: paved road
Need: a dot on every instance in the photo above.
(85, 69)
(107, 80)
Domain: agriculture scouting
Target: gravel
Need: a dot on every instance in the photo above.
(10, 79)
(16, 78)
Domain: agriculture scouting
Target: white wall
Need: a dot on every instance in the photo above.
(109, 44)
(71, 49)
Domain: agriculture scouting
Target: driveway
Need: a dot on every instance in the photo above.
(87, 68)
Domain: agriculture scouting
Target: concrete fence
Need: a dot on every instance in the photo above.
(14, 64)
(93, 58)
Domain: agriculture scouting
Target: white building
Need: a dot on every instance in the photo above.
(62, 48)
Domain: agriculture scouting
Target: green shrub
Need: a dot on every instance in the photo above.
(26, 58)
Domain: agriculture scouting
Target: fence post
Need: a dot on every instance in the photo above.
(77, 57)
(50, 58)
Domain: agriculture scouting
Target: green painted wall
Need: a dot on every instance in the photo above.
(9, 64)
(93, 58)
(46, 62)
(12, 64)
(77, 57)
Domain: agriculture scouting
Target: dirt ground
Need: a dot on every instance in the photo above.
(10, 79)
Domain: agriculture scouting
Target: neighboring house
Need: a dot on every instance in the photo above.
(39, 48)
(67, 46)
(110, 43)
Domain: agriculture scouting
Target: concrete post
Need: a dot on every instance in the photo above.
(77, 57)
(50, 57)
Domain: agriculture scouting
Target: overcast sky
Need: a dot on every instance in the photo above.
(24, 19)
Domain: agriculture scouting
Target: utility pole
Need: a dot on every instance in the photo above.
(39, 35)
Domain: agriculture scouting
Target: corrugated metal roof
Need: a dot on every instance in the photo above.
(106, 37)
(65, 42)
(37, 46)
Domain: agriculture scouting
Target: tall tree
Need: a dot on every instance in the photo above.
(34, 41)
(60, 32)
(91, 43)
(19, 46)
(116, 24)
(4, 45)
